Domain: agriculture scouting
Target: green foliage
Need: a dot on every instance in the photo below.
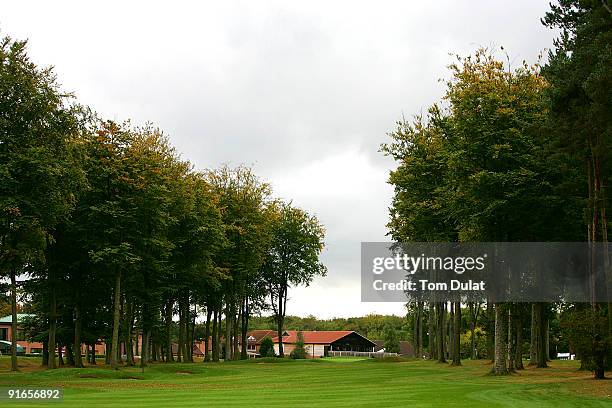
(266, 349)
(371, 326)
(117, 231)
(480, 169)
(292, 257)
(582, 325)
(5, 305)
(480, 343)
(580, 107)
(392, 344)
(39, 172)
(297, 242)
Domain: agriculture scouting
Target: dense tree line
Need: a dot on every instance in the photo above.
(118, 236)
(371, 326)
(513, 154)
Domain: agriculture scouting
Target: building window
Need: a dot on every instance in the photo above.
(3, 333)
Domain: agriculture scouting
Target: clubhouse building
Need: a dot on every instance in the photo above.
(316, 343)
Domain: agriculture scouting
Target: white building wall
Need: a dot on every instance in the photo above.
(314, 350)
(319, 350)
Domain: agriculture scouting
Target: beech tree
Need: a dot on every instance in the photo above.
(480, 170)
(243, 199)
(38, 173)
(292, 258)
(119, 234)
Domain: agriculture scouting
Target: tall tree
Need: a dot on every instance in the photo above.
(38, 172)
(580, 72)
(480, 170)
(497, 176)
(392, 344)
(292, 259)
(243, 200)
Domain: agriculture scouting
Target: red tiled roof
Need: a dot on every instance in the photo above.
(196, 350)
(314, 337)
(259, 335)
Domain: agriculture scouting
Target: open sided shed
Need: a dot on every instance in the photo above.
(319, 343)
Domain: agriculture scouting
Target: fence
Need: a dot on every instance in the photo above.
(374, 354)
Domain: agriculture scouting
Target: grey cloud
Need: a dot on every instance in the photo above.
(288, 86)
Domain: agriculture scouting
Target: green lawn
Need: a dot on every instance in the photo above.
(323, 383)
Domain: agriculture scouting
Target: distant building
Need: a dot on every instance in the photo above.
(254, 339)
(6, 336)
(316, 343)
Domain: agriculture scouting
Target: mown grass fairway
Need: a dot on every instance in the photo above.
(320, 383)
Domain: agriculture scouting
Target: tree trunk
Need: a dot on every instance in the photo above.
(499, 365)
(153, 350)
(136, 345)
(450, 341)
(457, 335)
(215, 337)
(115, 352)
(510, 340)
(70, 354)
(146, 336)
(192, 332)
(129, 345)
(169, 355)
(420, 330)
(491, 331)
(207, 334)
(533, 341)
(474, 312)
(235, 353)
(228, 331)
(45, 354)
(144, 348)
(518, 349)
(280, 318)
(245, 328)
(181, 333)
(539, 332)
(108, 352)
(547, 340)
(13, 320)
(52, 321)
(78, 359)
(433, 355)
(188, 349)
(440, 335)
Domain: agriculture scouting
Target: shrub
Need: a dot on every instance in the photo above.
(267, 348)
(299, 352)
(392, 344)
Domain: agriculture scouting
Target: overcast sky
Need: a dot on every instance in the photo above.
(304, 92)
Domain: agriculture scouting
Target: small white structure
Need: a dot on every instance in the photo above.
(566, 356)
